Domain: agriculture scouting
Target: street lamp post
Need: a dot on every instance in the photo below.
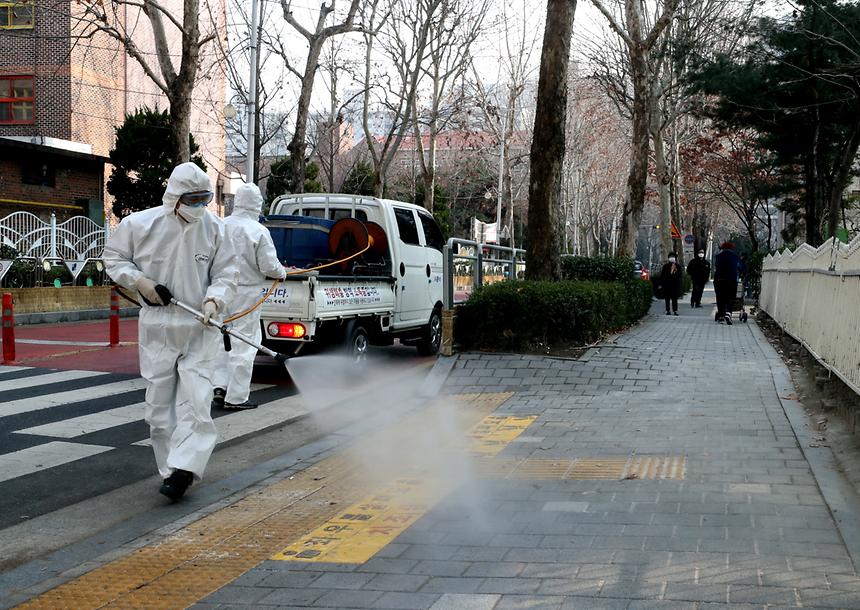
(252, 98)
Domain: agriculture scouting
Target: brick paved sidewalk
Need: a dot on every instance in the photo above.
(661, 472)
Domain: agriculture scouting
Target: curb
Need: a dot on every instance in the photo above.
(841, 498)
(54, 317)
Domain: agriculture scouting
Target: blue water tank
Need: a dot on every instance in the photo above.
(301, 241)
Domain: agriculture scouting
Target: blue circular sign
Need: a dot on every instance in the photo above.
(689, 239)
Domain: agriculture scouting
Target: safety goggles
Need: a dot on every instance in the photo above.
(197, 199)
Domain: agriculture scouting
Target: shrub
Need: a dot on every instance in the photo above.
(599, 268)
(521, 314)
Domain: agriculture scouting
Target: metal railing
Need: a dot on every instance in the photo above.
(814, 295)
(78, 238)
(469, 265)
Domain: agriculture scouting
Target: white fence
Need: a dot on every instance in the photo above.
(78, 238)
(814, 295)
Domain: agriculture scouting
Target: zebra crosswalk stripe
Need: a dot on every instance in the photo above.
(101, 420)
(27, 405)
(86, 424)
(42, 457)
(58, 377)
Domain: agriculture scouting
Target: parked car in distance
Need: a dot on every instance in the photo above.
(640, 271)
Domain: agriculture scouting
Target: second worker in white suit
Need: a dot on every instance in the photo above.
(256, 258)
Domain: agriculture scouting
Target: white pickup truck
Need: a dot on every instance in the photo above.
(394, 292)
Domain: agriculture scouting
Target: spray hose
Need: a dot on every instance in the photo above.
(274, 285)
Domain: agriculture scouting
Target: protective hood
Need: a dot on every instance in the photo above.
(248, 202)
(185, 178)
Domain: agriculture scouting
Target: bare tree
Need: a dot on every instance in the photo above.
(316, 38)
(502, 104)
(595, 170)
(547, 153)
(402, 31)
(640, 42)
(453, 30)
(234, 60)
(116, 18)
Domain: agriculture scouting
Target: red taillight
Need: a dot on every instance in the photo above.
(644, 274)
(288, 330)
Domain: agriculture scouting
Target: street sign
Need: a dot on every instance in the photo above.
(75, 267)
(689, 240)
(676, 234)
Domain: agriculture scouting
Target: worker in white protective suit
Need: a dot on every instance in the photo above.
(257, 260)
(180, 250)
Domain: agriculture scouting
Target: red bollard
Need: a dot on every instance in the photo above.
(114, 317)
(8, 330)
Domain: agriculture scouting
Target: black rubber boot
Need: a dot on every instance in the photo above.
(176, 484)
(218, 398)
(241, 406)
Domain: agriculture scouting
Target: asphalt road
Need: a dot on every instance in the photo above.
(73, 452)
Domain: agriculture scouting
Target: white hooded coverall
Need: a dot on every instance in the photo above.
(256, 259)
(192, 258)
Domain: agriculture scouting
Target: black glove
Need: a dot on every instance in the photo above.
(163, 293)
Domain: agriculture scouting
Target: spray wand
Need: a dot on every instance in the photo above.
(228, 331)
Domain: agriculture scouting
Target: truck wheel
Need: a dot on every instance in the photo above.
(355, 341)
(432, 335)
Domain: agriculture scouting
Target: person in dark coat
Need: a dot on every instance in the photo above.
(670, 281)
(699, 271)
(727, 269)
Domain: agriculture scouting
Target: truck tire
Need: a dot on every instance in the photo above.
(431, 338)
(355, 341)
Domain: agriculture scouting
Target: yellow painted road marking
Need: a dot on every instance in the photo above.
(494, 433)
(181, 569)
(363, 529)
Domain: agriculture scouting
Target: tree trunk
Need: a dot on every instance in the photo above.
(548, 147)
(634, 202)
(180, 122)
(297, 146)
(663, 180)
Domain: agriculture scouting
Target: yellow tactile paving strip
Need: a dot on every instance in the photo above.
(190, 564)
(360, 531)
(599, 469)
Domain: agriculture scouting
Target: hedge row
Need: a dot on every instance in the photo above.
(601, 268)
(518, 315)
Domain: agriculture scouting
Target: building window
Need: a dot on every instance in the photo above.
(16, 99)
(38, 173)
(16, 15)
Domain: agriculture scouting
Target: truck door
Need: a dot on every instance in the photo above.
(434, 244)
(411, 269)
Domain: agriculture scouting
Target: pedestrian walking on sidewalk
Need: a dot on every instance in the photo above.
(699, 271)
(670, 282)
(181, 249)
(727, 269)
(256, 260)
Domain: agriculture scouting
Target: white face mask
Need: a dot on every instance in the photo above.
(190, 214)
(701, 255)
(671, 259)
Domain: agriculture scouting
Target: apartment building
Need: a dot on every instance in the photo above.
(67, 93)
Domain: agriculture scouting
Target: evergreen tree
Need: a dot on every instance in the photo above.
(798, 87)
(281, 178)
(359, 180)
(142, 160)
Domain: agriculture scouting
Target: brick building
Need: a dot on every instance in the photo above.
(44, 179)
(69, 92)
